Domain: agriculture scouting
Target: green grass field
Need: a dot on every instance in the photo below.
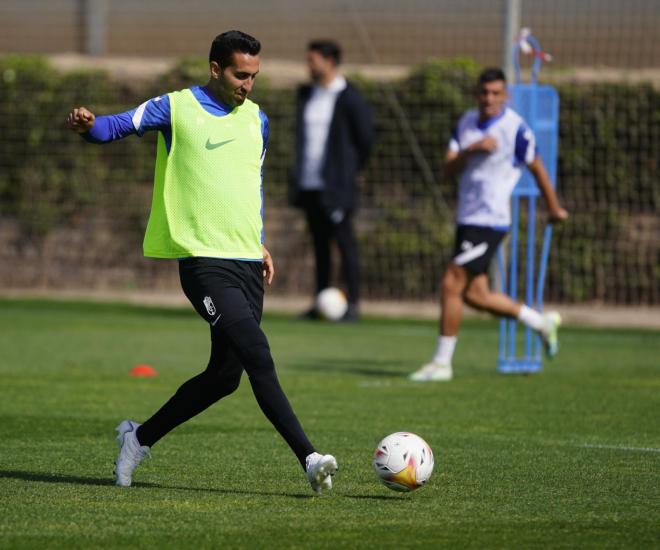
(569, 458)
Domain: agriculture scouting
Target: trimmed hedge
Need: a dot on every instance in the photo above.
(608, 172)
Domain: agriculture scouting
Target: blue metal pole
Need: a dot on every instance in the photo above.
(513, 270)
(529, 283)
(503, 321)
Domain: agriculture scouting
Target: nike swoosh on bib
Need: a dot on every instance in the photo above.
(210, 146)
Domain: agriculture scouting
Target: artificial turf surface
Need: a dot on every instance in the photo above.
(568, 458)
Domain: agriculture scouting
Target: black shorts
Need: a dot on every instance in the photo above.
(475, 247)
(223, 292)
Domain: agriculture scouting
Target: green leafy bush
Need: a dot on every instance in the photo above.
(607, 174)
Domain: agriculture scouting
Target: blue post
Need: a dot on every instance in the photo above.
(529, 280)
(513, 273)
(539, 106)
(502, 341)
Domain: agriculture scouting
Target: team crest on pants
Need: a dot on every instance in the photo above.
(209, 305)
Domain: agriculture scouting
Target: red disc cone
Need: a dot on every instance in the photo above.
(143, 370)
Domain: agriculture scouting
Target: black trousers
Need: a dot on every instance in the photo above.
(326, 227)
(228, 294)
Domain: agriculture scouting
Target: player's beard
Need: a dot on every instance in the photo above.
(239, 96)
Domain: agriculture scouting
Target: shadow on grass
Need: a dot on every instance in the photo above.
(363, 367)
(106, 482)
(61, 478)
(399, 497)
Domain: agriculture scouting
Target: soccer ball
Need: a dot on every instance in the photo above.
(403, 461)
(331, 304)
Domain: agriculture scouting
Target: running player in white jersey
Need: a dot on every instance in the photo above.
(489, 148)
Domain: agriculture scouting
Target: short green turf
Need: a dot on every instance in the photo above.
(568, 458)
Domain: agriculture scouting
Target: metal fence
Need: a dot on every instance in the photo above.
(588, 33)
(72, 214)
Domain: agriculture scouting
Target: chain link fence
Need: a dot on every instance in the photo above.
(72, 214)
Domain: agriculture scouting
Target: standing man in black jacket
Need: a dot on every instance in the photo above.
(334, 133)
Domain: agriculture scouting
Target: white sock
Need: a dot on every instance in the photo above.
(445, 350)
(531, 318)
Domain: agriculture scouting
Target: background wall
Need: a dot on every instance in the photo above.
(614, 33)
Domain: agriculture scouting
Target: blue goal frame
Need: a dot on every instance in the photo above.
(539, 106)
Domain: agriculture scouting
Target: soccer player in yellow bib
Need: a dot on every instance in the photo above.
(206, 211)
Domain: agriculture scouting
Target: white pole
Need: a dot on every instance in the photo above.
(511, 27)
(95, 24)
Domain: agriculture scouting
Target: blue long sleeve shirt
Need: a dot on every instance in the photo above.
(155, 114)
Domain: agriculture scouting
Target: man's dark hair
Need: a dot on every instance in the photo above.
(327, 49)
(491, 75)
(227, 43)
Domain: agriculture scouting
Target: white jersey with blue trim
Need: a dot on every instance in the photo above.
(488, 179)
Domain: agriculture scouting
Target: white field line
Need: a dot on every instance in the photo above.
(620, 448)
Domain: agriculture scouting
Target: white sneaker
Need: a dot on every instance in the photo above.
(320, 469)
(131, 453)
(552, 322)
(432, 372)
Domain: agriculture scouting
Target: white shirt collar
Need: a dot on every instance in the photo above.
(338, 84)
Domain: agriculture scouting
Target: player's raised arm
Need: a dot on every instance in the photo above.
(153, 114)
(537, 168)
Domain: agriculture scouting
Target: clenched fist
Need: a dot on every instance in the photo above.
(80, 120)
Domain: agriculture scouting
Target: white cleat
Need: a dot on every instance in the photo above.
(320, 469)
(432, 372)
(131, 453)
(552, 322)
